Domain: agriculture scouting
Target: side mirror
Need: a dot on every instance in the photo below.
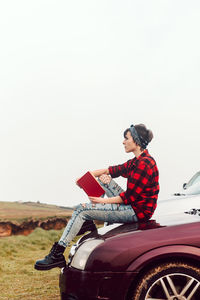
(184, 186)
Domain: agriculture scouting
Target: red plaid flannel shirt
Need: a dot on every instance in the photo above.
(142, 185)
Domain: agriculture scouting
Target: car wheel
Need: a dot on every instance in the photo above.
(169, 281)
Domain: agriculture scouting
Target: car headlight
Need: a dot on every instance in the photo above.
(83, 252)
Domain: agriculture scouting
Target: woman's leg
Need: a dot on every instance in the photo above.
(106, 213)
(111, 213)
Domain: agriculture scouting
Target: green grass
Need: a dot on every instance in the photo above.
(18, 278)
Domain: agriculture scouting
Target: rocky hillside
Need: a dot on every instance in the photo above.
(24, 217)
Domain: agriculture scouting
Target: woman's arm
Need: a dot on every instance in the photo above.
(100, 172)
(110, 200)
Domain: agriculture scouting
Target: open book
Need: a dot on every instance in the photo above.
(90, 185)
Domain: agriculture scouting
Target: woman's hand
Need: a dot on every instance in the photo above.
(111, 200)
(97, 200)
(106, 179)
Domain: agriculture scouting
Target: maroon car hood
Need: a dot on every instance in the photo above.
(123, 243)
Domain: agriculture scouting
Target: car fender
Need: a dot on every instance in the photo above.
(163, 253)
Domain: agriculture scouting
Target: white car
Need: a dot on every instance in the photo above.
(184, 201)
(193, 185)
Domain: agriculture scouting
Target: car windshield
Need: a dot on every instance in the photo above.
(195, 179)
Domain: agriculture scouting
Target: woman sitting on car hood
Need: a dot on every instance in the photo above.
(136, 204)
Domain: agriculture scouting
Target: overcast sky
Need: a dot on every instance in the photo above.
(75, 74)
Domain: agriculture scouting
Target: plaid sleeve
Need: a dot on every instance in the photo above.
(137, 182)
(119, 170)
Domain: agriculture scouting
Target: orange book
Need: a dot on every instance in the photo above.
(90, 185)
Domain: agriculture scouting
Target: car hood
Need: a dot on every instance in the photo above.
(125, 242)
(160, 221)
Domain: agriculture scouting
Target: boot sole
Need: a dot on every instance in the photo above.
(49, 267)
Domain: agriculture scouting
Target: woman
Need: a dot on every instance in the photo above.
(135, 204)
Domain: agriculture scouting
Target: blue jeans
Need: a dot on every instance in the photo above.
(112, 213)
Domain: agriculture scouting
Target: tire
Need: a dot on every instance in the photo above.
(173, 281)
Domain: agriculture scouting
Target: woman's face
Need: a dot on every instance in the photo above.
(129, 144)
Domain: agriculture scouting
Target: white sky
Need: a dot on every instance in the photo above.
(75, 74)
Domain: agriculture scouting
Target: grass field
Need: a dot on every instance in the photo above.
(18, 278)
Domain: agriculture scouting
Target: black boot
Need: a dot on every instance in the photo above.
(87, 226)
(54, 259)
